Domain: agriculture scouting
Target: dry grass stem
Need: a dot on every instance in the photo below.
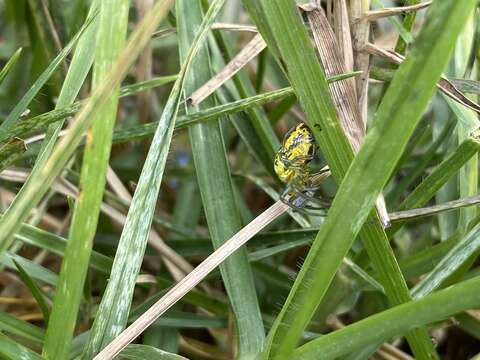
(191, 280)
(444, 85)
(341, 26)
(343, 92)
(360, 34)
(249, 51)
(215, 26)
(175, 263)
(435, 209)
(372, 15)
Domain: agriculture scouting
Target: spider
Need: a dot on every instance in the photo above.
(291, 164)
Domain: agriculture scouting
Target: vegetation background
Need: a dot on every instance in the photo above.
(138, 136)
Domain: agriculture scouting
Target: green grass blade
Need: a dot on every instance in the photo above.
(467, 86)
(12, 350)
(113, 311)
(371, 168)
(395, 321)
(408, 22)
(439, 177)
(424, 261)
(34, 270)
(35, 189)
(141, 352)
(41, 121)
(20, 328)
(111, 32)
(34, 290)
(467, 119)
(37, 85)
(268, 141)
(444, 171)
(452, 261)
(11, 152)
(56, 245)
(22, 204)
(217, 193)
(6, 68)
(417, 171)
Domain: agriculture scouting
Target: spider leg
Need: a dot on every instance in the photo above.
(310, 198)
(298, 198)
(307, 210)
(291, 197)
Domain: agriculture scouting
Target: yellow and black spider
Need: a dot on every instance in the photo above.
(291, 165)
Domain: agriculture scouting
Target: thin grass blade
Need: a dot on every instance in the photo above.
(42, 79)
(35, 291)
(20, 328)
(113, 311)
(452, 261)
(10, 349)
(217, 193)
(395, 321)
(111, 33)
(6, 68)
(141, 352)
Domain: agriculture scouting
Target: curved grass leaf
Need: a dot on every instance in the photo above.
(34, 290)
(56, 245)
(20, 328)
(6, 68)
(141, 352)
(395, 121)
(452, 261)
(12, 350)
(396, 321)
(34, 270)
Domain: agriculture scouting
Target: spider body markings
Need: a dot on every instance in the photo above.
(291, 165)
(297, 150)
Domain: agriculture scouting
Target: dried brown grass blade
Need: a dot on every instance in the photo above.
(343, 92)
(215, 26)
(250, 51)
(372, 15)
(342, 31)
(360, 33)
(444, 85)
(191, 280)
(435, 209)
